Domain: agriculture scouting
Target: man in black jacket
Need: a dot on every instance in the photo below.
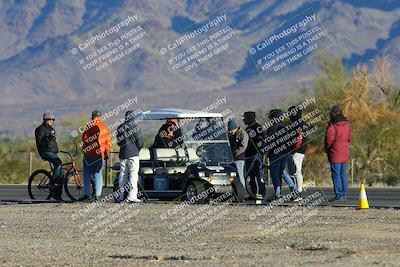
(47, 147)
(130, 141)
(278, 148)
(253, 154)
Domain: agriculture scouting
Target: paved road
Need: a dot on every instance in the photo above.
(377, 197)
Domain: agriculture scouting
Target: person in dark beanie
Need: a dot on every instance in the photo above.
(130, 141)
(253, 155)
(337, 147)
(46, 143)
(238, 140)
(277, 149)
(299, 146)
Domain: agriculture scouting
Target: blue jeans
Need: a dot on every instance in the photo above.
(339, 178)
(58, 172)
(289, 172)
(286, 177)
(92, 167)
(277, 166)
(240, 169)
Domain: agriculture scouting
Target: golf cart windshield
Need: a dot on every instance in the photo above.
(208, 137)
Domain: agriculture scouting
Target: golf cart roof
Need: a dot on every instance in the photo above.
(173, 113)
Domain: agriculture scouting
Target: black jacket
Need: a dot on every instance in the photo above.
(129, 139)
(45, 139)
(160, 141)
(277, 142)
(238, 143)
(257, 138)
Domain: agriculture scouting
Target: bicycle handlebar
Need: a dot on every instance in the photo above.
(76, 151)
(65, 152)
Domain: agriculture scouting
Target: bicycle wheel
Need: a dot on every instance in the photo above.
(38, 185)
(73, 186)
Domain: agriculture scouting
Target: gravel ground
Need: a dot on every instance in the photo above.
(179, 234)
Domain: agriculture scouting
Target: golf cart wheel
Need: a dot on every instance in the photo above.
(194, 192)
(248, 187)
(239, 192)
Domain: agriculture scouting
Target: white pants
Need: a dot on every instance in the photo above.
(298, 161)
(240, 169)
(129, 173)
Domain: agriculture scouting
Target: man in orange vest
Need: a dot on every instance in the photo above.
(96, 145)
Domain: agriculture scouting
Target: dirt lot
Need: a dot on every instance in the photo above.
(155, 234)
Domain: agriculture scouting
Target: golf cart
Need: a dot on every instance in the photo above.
(199, 169)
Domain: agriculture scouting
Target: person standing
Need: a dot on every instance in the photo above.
(238, 140)
(253, 155)
(96, 145)
(46, 143)
(299, 146)
(277, 148)
(130, 141)
(337, 147)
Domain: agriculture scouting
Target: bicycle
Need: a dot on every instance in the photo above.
(38, 185)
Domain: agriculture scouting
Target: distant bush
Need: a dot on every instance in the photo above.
(371, 102)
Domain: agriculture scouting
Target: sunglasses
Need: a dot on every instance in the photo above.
(50, 119)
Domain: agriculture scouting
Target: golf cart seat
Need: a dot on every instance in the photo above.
(171, 159)
(193, 157)
(144, 155)
(169, 154)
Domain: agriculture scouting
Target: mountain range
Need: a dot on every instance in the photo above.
(39, 73)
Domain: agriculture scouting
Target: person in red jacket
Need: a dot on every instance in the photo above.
(337, 147)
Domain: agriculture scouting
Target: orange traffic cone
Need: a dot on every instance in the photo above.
(363, 201)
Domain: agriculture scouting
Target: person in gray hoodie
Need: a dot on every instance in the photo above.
(130, 141)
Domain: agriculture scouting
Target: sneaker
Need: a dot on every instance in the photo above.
(259, 196)
(55, 192)
(275, 197)
(336, 199)
(56, 196)
(130, 201)
(297, 199)
(118, 200)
